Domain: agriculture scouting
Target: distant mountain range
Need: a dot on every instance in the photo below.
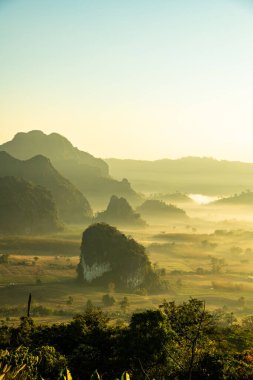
(192, 175)
(89, 174)
(26, 208)
(72, 206)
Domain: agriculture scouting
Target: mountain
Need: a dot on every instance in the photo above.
(71, 204)
(160, 209)
(26, 208)
(57, 148)
(107, 256)
(192, 175)
(243, 199)
(119, 212)
(89, 174)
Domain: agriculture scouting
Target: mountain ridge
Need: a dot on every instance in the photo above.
(192, 175)
(88, 173)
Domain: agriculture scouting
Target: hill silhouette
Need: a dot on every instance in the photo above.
(192, 175)
(160, 209)
(71, 204)
(89, 174)
(175, 197)
(107, 255)
(26, 208)
(119, 212)
(244, 198)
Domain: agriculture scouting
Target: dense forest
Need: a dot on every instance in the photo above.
(175, 341)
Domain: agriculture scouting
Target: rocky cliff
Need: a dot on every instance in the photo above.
(107, 255)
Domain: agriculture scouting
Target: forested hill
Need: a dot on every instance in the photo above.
(72, 206)
(89, 174)
(189, 175)
(119, 212)
(160, 209)
(26, 208)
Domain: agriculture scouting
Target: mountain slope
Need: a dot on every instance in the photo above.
(89, 174)
(26, 208)
(57, 148)
(71, 204)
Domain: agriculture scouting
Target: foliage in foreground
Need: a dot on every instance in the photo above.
(183, 342)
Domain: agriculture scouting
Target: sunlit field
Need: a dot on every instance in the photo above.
(200, 258)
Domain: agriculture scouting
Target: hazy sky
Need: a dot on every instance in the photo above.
(130, 78)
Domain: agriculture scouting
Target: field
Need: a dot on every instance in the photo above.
(202, 259)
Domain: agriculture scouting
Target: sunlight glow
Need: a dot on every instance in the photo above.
(202, 199)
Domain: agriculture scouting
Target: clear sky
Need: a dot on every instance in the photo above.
(130, 78)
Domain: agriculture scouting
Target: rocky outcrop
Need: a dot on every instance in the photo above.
(26, 208)
(107, 255)
(119, 212)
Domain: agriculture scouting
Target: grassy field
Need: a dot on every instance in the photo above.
(214, 264)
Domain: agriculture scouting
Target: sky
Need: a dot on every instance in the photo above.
(142, 79)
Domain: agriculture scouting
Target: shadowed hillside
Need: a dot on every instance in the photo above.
(193, 175)
(71, 204)
(26, 208)
(89, 174)
(120, 212)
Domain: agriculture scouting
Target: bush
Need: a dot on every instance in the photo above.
(108, 300)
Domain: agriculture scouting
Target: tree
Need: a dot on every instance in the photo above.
(108, 300)
(22, 335)
(51, 364)
(124, 304)
(4, 258)
(216, 264)
(149, 339)
(36, 258)
(70, 300)
(192, 326)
